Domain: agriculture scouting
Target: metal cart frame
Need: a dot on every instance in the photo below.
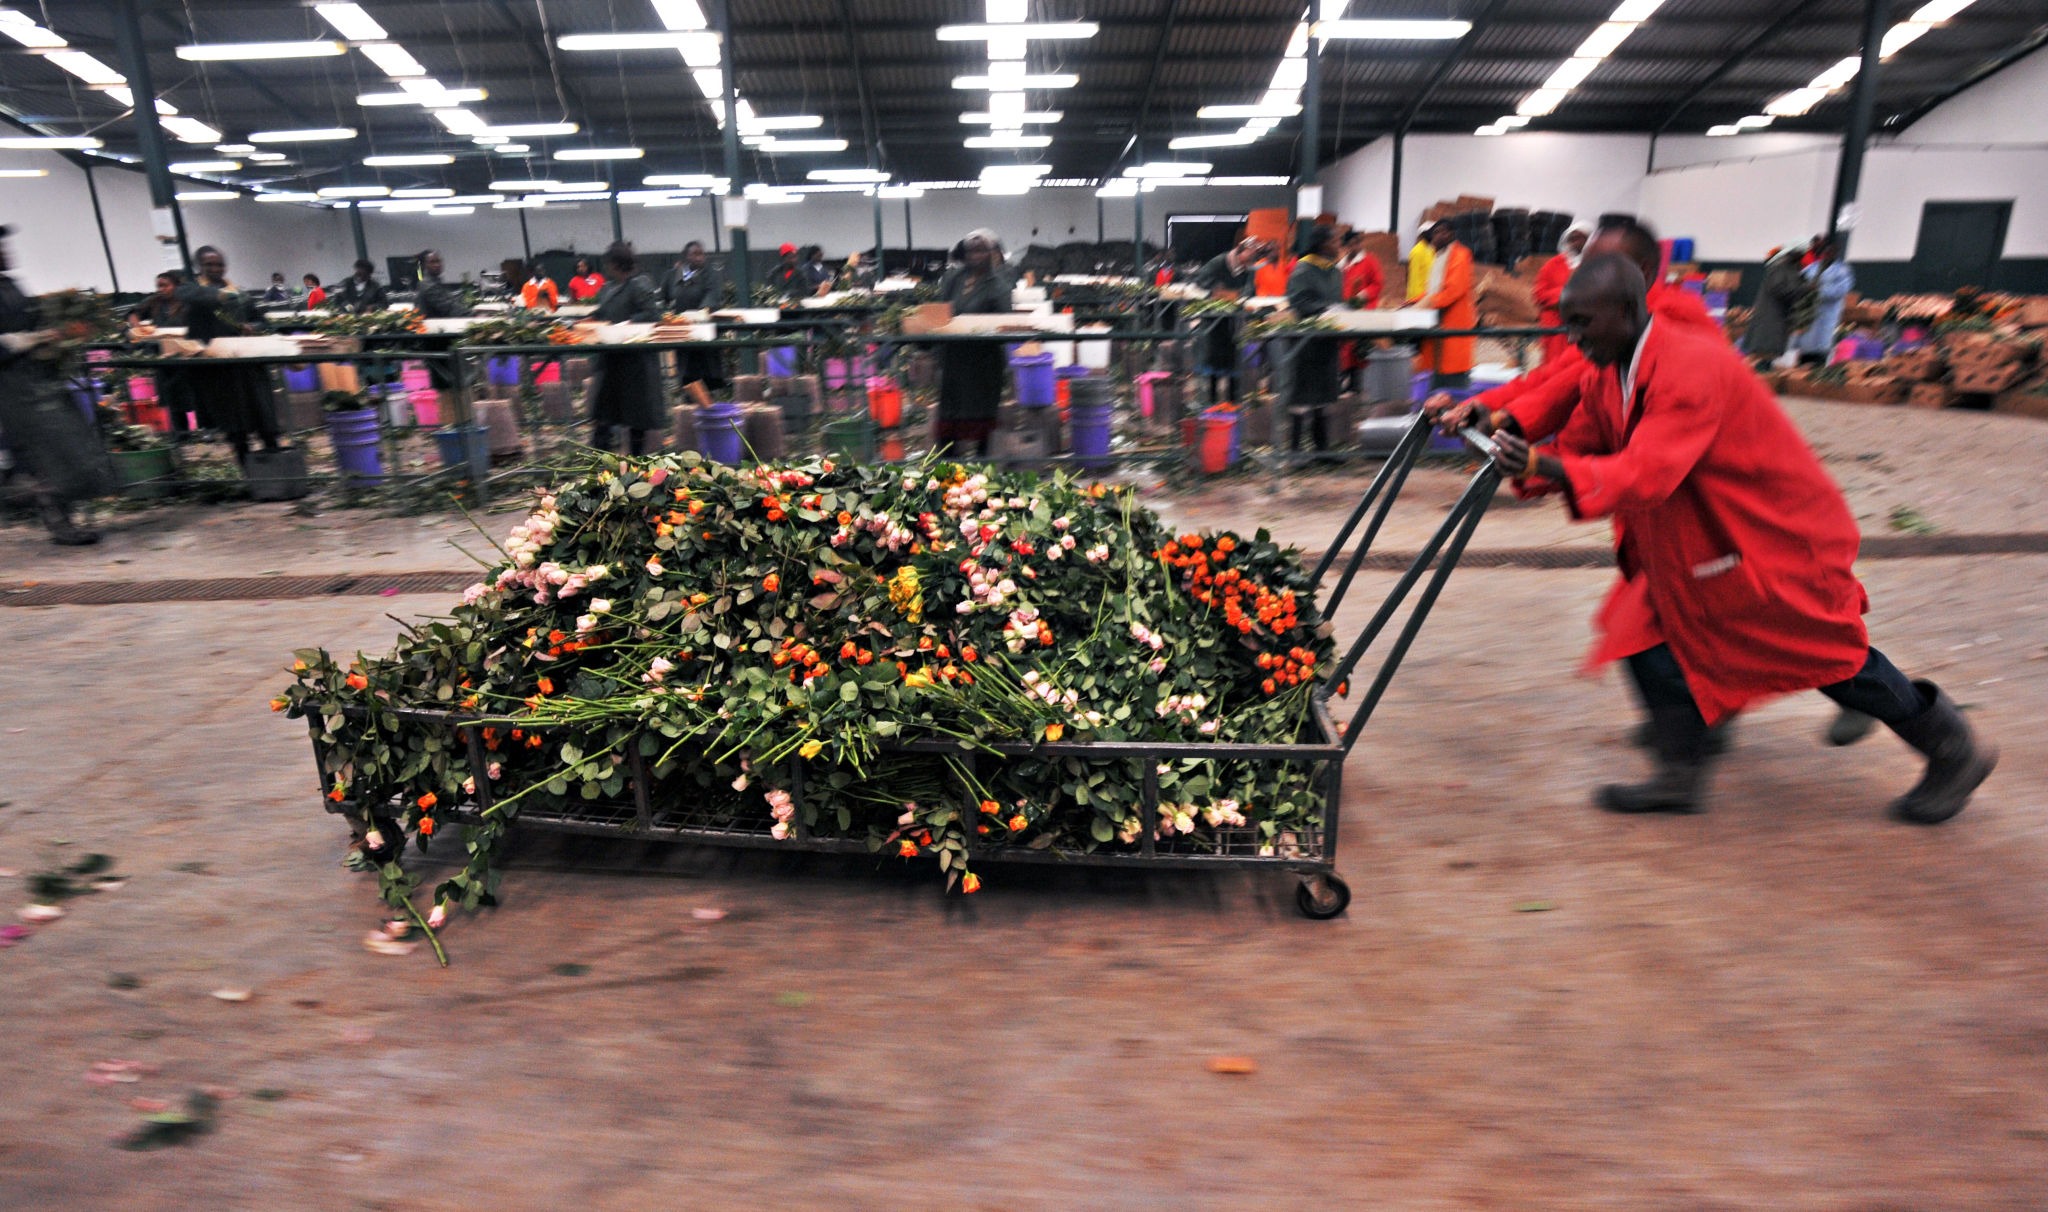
(1309, 853)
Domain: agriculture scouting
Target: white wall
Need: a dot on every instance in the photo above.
(1580, 175)
(1742, 207)
(2003, 109)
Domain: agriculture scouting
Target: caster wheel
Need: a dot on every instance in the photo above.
(1322, 897)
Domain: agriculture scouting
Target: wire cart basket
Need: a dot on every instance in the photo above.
(1309, 852)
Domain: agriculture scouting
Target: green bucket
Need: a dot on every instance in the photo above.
(851, 438)
(145, 475)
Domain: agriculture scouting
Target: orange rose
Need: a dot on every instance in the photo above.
(1017, 823)
(357, 681)
(426, 826)
(772, 583)
(907, 848)
(429, 800)
(970, 883)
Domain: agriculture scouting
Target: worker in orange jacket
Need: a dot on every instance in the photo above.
(1449, 359)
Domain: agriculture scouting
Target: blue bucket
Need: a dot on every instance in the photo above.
(1036, 381)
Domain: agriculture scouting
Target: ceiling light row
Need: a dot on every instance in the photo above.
(1797, 102)
(1605, 39)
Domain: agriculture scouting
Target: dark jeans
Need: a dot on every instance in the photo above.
(1439, 381)
(602, 433)
(1879, 690)
(1314, 419)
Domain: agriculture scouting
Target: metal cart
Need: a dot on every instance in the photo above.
(1309, 853)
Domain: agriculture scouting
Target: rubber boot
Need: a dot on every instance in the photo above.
(1956, 762)
(63, 532)
(1850, 726)
(1719, 737)
(1680, 779)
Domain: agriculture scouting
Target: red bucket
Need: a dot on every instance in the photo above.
(150, 415)
(885, 402)
(1212, 451)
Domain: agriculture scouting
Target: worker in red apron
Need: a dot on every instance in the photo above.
(1736, 550)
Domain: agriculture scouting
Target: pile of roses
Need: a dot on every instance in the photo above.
(720, 628)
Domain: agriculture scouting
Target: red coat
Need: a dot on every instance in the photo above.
(1737, 548)
(1549, 289)
(1456, 308)
(1363, 282)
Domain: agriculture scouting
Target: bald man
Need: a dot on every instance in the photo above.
(1737, 550)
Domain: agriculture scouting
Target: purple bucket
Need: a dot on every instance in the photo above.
(719, 428)
(781, 361)
(1090, 426)
(302, 378)
(846, 372)
(354, 435)
(502, 371)
(1035, 380)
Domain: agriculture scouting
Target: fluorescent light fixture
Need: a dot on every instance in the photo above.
(1239, 138)
(489, 140)
(22, 29)
(473, 199)
(599, 153)
(1937, 11)
(427, 99)
(517, 204)
(774, 198)
(16, 173)
(325, 134)
(1011, 83)
(1796, 102)
(773, 146)
(1570, 74)
(190, 130)
(287, 197)
(218, 51)
(267, 157)
(1000, 187)
(1635, 10)
(867, 176)
(1602, 41)
(1841, 73)
(1022, 118)
(1168, 168)
(533, 130)
(1753, 122)
(235, 149)
(447, 211)
(671, 40)
(507, 149)
(755, 126)
(1118, 189)
(207, 195)
(578, 187)
(666, 202)
(356, 191)
(899, 191)
(1033, 171)
(1900, 36)
(685, 180)
(1251, 181)
(461, 122)
(710, 81)
(49, 142)
(425, 193)
(1393, 31)
(406, 161)
(1007, 141)
(85, 67)
(206, 166)
(1488, 132)
(1256, 110)
(522, 186)
(1724, 130)
(351, 22)
(393, 60)
(1512, 121)
(1540, 102)
(680, 14)
(1291, 74)
(1019, 29)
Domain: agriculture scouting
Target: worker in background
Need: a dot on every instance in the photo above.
(1783, 293)
(1421, 260)
(787, 278)
(1550, 282)
(237, 400)
(817, 275)
(585, 282)
(57, 450)
(1364, 281)
(625, 388)
(315, 295)
(539, 292)
(971, 372)
(1313, 287)
(857, 274)
(1832, 281)
(693, 285)
(1227, 275)
(361, 292)
(1737, 563)
(436, 300)
(278, 292)
(1449, 291)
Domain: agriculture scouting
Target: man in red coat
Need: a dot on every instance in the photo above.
(1736, 553)
(1549, 288)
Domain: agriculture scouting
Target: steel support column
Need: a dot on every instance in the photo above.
(741, 275)
(1311, 107)
(355, 226)
(156, 162)
(1394, 192)
(618, 220)
(1849, 173)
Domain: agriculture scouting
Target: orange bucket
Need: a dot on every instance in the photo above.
(1212, 450)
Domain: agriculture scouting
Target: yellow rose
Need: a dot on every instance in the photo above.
(812, 749)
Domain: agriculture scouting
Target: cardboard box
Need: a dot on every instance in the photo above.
(927, 318)
(1986, 380)
(1930, 395)
(339, 376)
(1724, 281)
(2024, 402)
(1467, 203)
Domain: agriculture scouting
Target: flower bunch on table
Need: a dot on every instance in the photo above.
(720, 633)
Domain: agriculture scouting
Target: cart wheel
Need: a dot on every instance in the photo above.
(1322, 897)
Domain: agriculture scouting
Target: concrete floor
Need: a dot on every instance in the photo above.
(1788, 1002)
